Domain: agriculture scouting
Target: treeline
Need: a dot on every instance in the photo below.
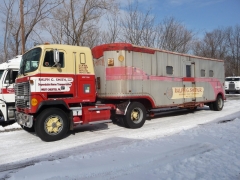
(94, 22)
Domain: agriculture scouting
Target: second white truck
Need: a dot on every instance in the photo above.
(232, 84)
(8, 74)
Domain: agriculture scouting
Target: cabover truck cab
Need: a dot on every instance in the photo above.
(144, 80)
(232, 84)
(8, 74)
(55, 90)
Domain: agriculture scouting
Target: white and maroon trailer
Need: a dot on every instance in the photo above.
(147, 79)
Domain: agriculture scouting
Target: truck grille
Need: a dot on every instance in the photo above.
(231, 86)
(22, 95)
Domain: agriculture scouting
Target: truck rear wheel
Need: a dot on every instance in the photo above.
(52, 124)
(135, 116)
(218, 104)
(211, 106)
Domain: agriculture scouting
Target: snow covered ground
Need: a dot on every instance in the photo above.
(184, 145)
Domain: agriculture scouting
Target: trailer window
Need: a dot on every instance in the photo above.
(169, 70)
(188, 70)
(82, 58)
(49, 61)
(202, 73)
(211, 73)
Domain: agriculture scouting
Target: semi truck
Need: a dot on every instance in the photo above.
(62, 86)
(232, 84)
(8, 74)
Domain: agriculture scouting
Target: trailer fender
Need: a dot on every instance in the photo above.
(121, 109)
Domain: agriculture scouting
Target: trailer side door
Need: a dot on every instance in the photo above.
(189, 84)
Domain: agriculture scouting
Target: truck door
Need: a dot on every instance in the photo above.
(84, 77)
(8, 86)
(189, 84)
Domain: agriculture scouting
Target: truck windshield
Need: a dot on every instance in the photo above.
(30, 61)
(232, 79)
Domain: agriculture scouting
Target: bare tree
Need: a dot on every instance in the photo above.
(137, 27)
(34, 12)
(174, 36)
(110, 34)
(233, 47)
(213, 45)
(75, 20)
(22, 25)
(6, 9)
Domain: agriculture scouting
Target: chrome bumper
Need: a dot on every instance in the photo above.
(24, 119)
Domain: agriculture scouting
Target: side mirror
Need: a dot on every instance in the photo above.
(56, 56)
(10, 76)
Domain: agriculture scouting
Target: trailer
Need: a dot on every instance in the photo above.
(157, 78)
(61, 86)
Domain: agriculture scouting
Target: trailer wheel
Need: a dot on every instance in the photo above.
(52, 124)
(135, 116)
(218, 104)
(211, 106)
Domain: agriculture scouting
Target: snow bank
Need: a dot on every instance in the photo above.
(10, 127)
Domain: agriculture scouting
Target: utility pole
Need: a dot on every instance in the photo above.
(22, 25)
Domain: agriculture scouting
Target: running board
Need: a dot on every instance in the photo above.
(98, 122)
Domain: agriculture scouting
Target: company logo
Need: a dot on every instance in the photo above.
(184, 92)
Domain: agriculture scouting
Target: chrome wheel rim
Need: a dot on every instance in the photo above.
(53, 125)
(136, 115)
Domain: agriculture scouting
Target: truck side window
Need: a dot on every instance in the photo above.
(188, 70)
(48, 59)
(82, 58)
(14, 76)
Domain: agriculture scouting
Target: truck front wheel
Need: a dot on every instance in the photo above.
(135, 116)
(52, 124)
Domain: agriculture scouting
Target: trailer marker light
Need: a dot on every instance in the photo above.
(121, 58)
(34, 101)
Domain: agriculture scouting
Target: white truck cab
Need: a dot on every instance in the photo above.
(8, 74)
(232, 84)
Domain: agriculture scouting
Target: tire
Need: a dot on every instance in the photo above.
(218, 104)
(211, 106)
(135, 116)
(52, 124)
